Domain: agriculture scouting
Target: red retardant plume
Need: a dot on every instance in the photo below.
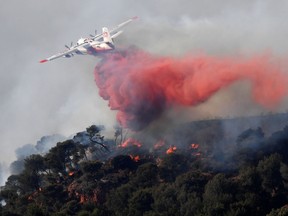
(141, 86)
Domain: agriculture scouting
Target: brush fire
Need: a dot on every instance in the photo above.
(130, 142)
(171, 150)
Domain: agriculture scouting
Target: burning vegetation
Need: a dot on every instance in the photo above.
(197, 168)
(188, 177)
(171, 150)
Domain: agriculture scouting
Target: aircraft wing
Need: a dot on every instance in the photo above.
(70, 51)
(123, 24)
(114, 30)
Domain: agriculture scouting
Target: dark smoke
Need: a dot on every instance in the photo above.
(42, 147)
(141, 86)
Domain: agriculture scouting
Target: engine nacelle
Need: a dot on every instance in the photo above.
(81, 41)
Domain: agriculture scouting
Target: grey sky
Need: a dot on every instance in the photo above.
(61, 97)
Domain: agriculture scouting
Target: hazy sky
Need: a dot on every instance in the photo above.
(61, 97)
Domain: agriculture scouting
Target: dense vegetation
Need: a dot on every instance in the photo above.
(101, 179)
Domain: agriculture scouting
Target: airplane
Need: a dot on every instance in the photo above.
(93, 45)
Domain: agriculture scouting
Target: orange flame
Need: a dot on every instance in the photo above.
(130, 142)
(71, 173)
(82, 198)
(171, 150)
(159, 144)
(136, 158)
(194, 146)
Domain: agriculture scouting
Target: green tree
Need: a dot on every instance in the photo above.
(283, 211)
(34, 210)
(95, 136)
(269, 170)
(165, 200)
(193, 181)
(218, 195)
(172, 165)
(117, 200)
(64, 153)
(34, 163)
(250, 179)
(146, 175)
(190, 188)
(123, 162)
(140, 202)
(92, 169)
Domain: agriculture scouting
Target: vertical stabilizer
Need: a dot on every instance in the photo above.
(106, 35)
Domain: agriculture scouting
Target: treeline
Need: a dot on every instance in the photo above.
(77, 179)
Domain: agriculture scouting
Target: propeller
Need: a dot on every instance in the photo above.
(93, 35)
(68, 46)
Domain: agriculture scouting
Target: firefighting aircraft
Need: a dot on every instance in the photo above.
(93, 45)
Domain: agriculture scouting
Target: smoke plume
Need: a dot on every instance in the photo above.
(141, 86)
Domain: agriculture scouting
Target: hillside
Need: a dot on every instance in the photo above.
(213, 167)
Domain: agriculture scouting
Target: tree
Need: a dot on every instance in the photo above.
(192, 181)
(283, 211)
(165, 200)
(34, 210)
(10, 192)
(95, 136)
(278, 142)
(173, 165)
(250, 179)
(53, 197)
(34, 163)
(117, 200)
(120, 134)
(91, 168)
(123, 162)
(64, 154)
(272, 181)
(218, 195)
(269, 170)
(146, 175)
(140, 202)
(29, 181)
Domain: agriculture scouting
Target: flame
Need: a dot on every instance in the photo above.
(171, 150)
(159, 144)
(71, 173)
(130, 142)
(194, 146)
(82, 198)
(135, 158)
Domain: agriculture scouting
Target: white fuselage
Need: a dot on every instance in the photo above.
(92, 47)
